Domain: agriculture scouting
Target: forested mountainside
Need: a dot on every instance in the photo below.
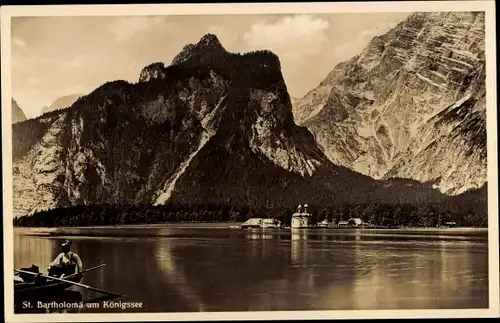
(211, 128)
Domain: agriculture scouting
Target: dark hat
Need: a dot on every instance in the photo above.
(66, 243)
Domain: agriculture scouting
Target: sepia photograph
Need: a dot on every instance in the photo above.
(250, 161)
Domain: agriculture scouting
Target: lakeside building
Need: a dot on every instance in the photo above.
(261, 223)
(355, 221)
(352, 222)
(324, 224)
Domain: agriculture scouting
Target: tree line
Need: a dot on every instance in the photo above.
(375, 214)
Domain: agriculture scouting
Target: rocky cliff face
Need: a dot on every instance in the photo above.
(410, 105)
(61, 103)
(152, 71)
(17, 113)
(213, 127)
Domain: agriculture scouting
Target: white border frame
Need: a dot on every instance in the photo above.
(257, 8)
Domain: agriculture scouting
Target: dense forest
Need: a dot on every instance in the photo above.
(375, 214)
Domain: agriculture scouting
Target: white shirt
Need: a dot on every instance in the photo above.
(69, 258)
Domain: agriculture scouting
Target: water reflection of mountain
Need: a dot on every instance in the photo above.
(202, 270)
(420, 278)
(33, 250)
(240, 270)
(146, 273)
(175, 277)
(472, 276)
(265, 273)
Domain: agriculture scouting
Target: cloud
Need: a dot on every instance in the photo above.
(292, 36)
(124, 28)
(74, 62)
(33, 81)
(20, 42)
(358, 42)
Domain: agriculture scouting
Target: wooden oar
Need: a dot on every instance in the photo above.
(93, 268)
(29, 289)
(102, 291)
(87, 270)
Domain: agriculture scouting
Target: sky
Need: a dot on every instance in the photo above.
(57, 56)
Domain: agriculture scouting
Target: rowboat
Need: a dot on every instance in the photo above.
(46, 286)
(42, 285)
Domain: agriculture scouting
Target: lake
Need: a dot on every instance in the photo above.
(219, 269)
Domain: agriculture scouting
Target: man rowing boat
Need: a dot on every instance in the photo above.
(66, 263)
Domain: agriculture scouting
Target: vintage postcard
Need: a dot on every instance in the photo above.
(250, 161)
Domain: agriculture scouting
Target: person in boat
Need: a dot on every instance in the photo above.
(66, 263)
(25, 277)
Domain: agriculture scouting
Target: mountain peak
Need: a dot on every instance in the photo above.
(17, 113)
(210, 40)
(61, 103)
(209, 43)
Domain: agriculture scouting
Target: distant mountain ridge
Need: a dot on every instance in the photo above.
(213, 127)
(61, 103)
(17, 113)
(410, 105)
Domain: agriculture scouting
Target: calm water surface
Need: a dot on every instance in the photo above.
(192, 269)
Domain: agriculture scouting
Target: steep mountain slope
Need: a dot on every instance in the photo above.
(410, 105)
(61, 103)
(451, 147)
(17, 113)
(213, 127)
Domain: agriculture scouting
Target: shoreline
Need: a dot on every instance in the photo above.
(172, 229)
(193, 225)
(231, 225)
